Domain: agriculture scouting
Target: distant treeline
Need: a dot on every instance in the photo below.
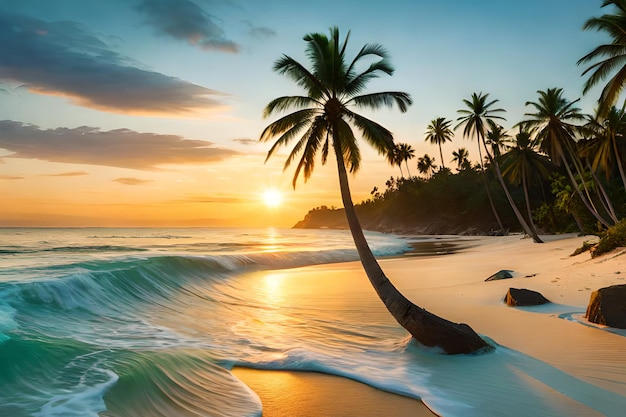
(457, 203)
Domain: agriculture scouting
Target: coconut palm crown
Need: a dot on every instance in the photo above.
(324, 117)
(438, 133)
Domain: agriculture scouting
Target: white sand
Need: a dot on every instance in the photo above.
(549, 361)
(563, 356)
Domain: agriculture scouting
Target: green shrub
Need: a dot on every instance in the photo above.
(614, 237)
(587, 245)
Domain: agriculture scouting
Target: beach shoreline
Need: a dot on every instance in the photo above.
(453, 286)
(313, 394)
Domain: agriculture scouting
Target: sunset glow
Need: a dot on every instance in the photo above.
(272, 198)
(150, 114)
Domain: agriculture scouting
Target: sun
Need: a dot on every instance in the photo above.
(272, 198)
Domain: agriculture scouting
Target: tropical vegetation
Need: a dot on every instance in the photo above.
(564, 169)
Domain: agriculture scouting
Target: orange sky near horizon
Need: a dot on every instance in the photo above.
(148, 113)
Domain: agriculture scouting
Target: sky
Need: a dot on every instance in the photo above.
(119, 113)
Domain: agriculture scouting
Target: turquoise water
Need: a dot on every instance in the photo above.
(148, 322)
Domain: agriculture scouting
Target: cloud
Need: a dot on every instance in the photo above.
(262, 32)
(131, 181)
(122, 148)
(185, 20)
(68, 174)
(244, 141)
(65, 59)
(10, 177)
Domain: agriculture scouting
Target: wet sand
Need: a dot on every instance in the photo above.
(310, 394)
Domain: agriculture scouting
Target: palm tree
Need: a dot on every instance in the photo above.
(522, 164)
(426, 165)
(405, 153)
(461, 157)
(394, 158)
(553, 126)
(323, 120)
(607, 132)
(611, 57)
(438, 132)
(474, 118)
(497, 139)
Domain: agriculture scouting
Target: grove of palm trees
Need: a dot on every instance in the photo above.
(556, 170)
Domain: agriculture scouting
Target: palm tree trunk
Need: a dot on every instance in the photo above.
(425, 327)
(493, 207)
(619, 163)
(529, 231)
(604, 197)
(580, 193)
(406, 161)
(579, 171)
(528, 209)
(443, 165)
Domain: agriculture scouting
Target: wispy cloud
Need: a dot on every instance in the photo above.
(68, 174)
(262, 32)
(185, 20)
(10, 177)
(245, 141)
(123, 148)
(66, 59)
(131, 181)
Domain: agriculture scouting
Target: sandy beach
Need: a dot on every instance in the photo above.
(547, 358)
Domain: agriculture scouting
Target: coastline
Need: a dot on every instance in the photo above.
(312, 394)
(560, 355)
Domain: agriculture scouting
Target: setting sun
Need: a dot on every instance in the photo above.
(272, 198)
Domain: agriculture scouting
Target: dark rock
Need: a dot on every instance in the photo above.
(503, 274)
(607, 306)
(517, 297)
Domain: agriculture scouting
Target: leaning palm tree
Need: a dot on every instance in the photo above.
(322, 123)
(405, 154)
(438, 132)
(611, 57)
(523, 165)
(553, 125)
(475, 118)
(497, 138)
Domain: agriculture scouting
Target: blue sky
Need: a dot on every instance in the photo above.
(147, 112)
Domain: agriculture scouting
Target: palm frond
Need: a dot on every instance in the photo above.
(281, 104)
(387, 98)
(309, 145)
(302, 76)
(376, 135)
(349, 146)
(287, 122)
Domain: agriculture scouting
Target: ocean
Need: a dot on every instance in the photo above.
(148, 322)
